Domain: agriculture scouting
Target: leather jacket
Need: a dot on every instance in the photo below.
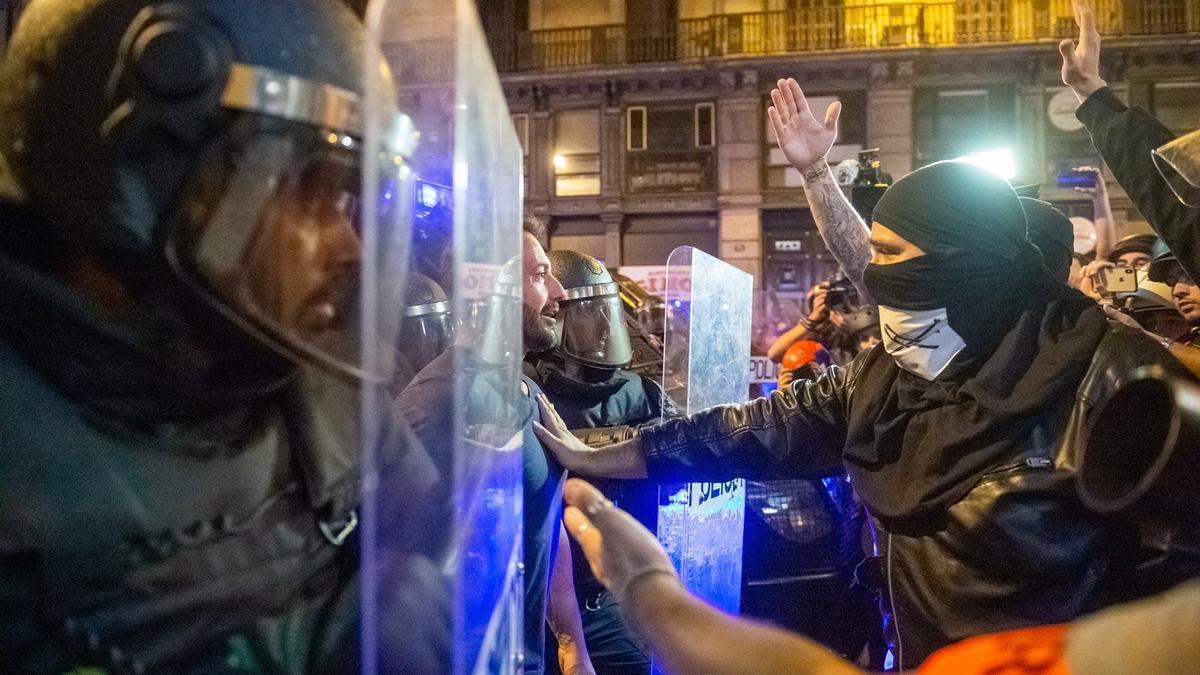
(1019, 550)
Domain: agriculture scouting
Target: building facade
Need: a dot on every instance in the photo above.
(644, 121)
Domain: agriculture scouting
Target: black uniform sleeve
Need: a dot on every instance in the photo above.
(1125, 137)
(795, 432)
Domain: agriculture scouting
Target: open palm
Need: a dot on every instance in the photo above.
(803, 139)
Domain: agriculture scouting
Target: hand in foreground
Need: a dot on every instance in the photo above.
(1081, 63)
(1091, 281)
(803, 139)
(619, 550)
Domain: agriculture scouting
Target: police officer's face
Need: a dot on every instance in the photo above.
(309, 257)
(541, 293)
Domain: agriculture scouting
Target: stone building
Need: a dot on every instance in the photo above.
(644, 121)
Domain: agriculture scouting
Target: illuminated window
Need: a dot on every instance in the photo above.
(950, 123)
(576, 159)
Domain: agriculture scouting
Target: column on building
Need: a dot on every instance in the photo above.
(739, 166)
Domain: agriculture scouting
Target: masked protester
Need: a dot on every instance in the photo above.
(958, 433)
(179, 275)
(1052, 233)
(585, 375)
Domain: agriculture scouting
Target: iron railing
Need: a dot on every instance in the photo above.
(937, 24)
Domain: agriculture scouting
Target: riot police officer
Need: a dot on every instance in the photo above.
(179, 272)
(585, 377)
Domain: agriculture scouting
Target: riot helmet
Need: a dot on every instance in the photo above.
(426, 327)
(591, 321)
(1138, 244)
(1153, 307)
(218, 145)
(1164, 266)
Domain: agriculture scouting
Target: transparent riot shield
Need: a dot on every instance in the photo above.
(441, 574)
(706, 363)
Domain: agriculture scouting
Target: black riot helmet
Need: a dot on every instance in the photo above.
(591, 320)
(427, 326)
(214, 144)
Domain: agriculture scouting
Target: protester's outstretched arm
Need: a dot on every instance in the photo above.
(562, 613)
(805, 142)
(1125, 137)
(685, 634)
(619, 460)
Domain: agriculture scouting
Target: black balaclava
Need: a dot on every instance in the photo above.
(1052, 232)
(978, 263)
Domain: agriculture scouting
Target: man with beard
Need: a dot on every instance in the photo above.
(958, 432)
(180, 359)
(425, 402)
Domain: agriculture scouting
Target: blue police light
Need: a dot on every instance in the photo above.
(428, 195)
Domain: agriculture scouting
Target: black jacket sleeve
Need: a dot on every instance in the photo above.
(1125, 137)
(795, 432)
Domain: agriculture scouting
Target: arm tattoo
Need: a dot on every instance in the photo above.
(844, 232)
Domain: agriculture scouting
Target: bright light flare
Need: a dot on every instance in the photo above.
(999, 162)
(560, 162)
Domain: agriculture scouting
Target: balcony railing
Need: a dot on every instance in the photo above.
(938, 24)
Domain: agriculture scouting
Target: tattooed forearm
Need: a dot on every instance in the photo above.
(844, 232)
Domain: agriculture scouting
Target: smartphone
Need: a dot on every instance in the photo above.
(1076, 179)
(1119, 280)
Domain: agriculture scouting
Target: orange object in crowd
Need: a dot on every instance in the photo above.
(1018, 652)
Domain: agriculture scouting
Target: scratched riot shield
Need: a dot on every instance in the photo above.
(441, 572)
(706, 363)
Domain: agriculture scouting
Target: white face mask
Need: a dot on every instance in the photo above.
(923, 343)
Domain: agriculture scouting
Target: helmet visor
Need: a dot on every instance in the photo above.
(592, 330)
(1179, 164)
(272, 235)
(423, 338)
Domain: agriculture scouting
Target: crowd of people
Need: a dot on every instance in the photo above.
(239, 437)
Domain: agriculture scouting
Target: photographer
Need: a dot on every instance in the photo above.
(1125, 138)
(1131, 252)
(837, 321)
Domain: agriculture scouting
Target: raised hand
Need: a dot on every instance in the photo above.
(1081, 62)
(619, 550)
(803, 139)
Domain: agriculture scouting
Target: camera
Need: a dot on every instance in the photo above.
(1076, 179)
(842, 295)
(1119, 280)
(869, 185)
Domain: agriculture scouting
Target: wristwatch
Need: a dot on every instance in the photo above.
(1166, 343)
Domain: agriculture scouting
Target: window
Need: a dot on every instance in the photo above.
(705, 125)
(953, 122)
(852, 135)
(670, 148)
(635, 128)
(576, 158)
(670, 128)
(1176, 105)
